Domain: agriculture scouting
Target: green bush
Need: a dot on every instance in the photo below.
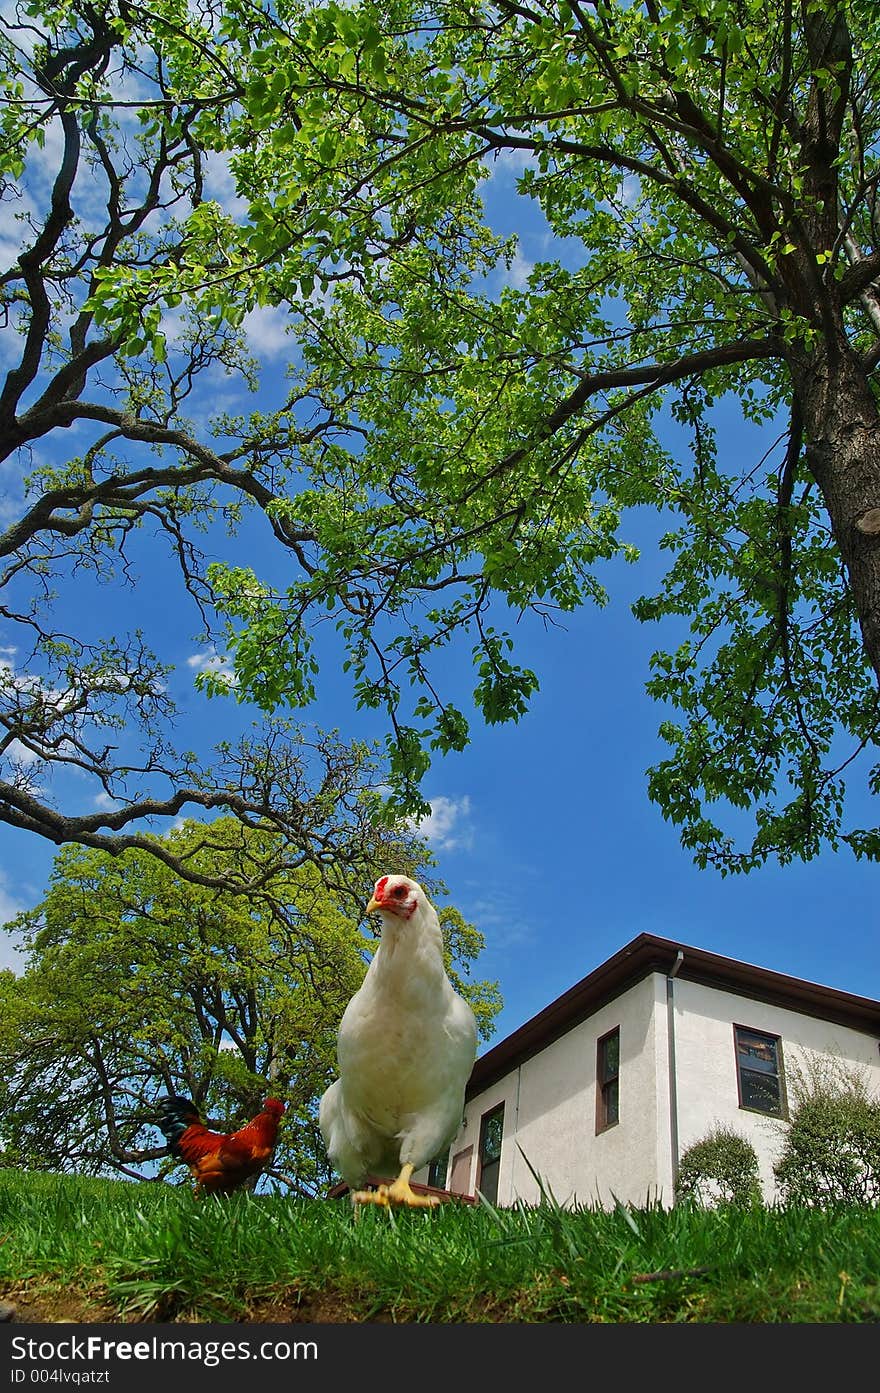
(831, 1152)
(722, 1168)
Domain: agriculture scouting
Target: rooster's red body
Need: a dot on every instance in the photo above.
(219, 1162)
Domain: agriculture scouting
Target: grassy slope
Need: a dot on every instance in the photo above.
(105, 1250)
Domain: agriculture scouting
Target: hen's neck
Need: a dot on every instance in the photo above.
(413, 945)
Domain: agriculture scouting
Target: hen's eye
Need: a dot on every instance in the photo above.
(399, 892)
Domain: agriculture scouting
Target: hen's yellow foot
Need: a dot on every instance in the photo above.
(379, 1196)
(401, 1192)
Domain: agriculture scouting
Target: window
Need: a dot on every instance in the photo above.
(491, 1131)
(437, 1171)
(759, 1071)
(608, 1080)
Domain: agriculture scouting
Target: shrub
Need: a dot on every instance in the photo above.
(722, 1168)
(831, 1152)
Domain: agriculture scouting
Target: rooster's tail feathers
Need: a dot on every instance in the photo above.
(175, 1114)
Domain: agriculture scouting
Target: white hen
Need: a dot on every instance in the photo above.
(406, 1046)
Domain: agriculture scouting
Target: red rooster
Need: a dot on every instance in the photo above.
(219, 1162)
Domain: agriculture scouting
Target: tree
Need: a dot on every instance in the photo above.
(710, 171)
(125, 289)
(445, 456)
(140, 983)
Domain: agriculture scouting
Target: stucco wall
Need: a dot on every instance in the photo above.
(550, 1100)
(706, 1064)
(550, 1110)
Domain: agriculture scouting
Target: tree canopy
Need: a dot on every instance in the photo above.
(444, 457)
(139, 983)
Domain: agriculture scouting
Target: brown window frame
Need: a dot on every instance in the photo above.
(602, 1083)
(780, 1071)
(484, 1121)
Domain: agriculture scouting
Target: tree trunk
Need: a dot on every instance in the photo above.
(842, 435)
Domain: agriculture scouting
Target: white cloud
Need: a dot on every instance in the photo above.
(447, 827)
(519, 271)
(17, 753)
(220, 185)
(13, 231)
(266, 330)
(10, 958)
(20, 764)
(213, 662)
(64, 703)
(10, 906)
(25, 33)
(509, 162)
(629, 190)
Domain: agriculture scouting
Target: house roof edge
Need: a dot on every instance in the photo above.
(649, 953)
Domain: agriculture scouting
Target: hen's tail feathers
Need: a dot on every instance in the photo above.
(175, 1114)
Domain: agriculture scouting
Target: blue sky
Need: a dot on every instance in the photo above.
(546, 839)
(543, 831)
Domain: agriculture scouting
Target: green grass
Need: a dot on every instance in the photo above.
(150, 1252)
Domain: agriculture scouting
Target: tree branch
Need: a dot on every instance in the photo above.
(654, 376)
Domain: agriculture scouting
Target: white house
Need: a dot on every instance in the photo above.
(604, 1089)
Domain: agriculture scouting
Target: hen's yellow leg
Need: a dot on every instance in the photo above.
(399, 1192)
(379, 1196)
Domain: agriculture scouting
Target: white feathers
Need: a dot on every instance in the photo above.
(406, 1046)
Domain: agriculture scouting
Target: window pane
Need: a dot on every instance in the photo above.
(611, 1103)
(437, 1171)
(757, 1052)
(489, 1181)
(490, 1141)
(760, 1091)
(611, 1056)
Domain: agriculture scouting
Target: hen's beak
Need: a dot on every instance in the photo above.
(372, 906)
